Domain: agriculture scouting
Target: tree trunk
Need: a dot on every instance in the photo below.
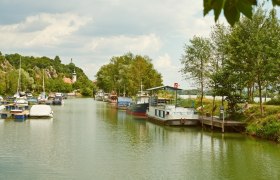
(201, 81)
(265, 94)
(260, 96)
(252, 94)
(248, 92)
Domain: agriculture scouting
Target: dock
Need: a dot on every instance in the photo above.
(221, 123)
(14, 115)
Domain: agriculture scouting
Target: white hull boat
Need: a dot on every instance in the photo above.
(162, 112)
(173, 116)
(41, 111)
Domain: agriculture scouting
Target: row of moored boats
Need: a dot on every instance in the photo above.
(24, 105)
(156, 109)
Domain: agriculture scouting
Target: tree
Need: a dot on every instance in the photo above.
(254, 51)
(195, 61)
(57, 59)
(232, 8)
(125, 74)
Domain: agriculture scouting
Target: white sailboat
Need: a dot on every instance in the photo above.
(20, 101)
(17, 95)
(43, 97)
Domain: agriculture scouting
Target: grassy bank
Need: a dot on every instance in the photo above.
(266, 126)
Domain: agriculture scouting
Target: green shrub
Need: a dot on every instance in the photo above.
(274, 101)
(268, 128)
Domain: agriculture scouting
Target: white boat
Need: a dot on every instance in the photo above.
(161, 112)
(99, 95)
(21, 101)
(2, 107)
(43, 97)
(41, 111)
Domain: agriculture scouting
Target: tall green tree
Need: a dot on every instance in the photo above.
(125, 74)
(195, 61)
(254, 51)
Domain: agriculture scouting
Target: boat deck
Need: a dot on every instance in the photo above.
(14, 115)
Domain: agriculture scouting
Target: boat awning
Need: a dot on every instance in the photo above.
(163, 88)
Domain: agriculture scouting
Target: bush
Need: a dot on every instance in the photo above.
(274, 101)
(268, 128)
(86, 92)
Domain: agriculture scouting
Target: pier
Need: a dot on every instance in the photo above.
(12, 111)
(221, 123)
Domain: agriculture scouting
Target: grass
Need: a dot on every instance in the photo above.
(266, 126)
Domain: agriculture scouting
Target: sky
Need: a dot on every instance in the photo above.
(91, 32)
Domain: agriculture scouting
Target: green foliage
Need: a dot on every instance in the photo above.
(274, 101)
(232, 9)
(195, 61)
(124, 74)
(242, 59)
(86, 91)
(268, 128)
(190, 103)
(32, 76)
(233, 108)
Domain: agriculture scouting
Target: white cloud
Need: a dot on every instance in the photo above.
(155, 28)
(42, 30)
(124, 44)
(163, 62)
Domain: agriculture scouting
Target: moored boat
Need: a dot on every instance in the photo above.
(140, 105)
(123, 102)
(162, 112)
(58, 99)
(113, 97)
(99, 95)
(41, 111)
(43, 97)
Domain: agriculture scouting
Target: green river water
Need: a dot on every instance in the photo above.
(87, 139)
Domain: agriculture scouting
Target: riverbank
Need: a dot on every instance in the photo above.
(266, 126)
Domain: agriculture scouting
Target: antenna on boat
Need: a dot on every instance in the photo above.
(141, 87)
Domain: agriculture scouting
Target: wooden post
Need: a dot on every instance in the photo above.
(202, 121)
(223, 125)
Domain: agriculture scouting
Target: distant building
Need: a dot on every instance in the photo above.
(74, 77)
(69, 80)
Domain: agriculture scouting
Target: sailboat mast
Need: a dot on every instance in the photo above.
(43, 80)
(19, 76)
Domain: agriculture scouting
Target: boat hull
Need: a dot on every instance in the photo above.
(138, 109)
(172, 116)
(41, 111)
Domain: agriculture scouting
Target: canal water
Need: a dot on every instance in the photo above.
(87, 139)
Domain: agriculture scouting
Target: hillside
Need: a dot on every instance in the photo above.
(57, 75)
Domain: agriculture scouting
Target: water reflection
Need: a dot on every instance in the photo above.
(91, 140)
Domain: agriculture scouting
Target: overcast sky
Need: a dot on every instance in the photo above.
(92, 31)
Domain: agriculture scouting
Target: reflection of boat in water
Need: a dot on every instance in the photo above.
(41, 111)
(160, 111)
(40, 125)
